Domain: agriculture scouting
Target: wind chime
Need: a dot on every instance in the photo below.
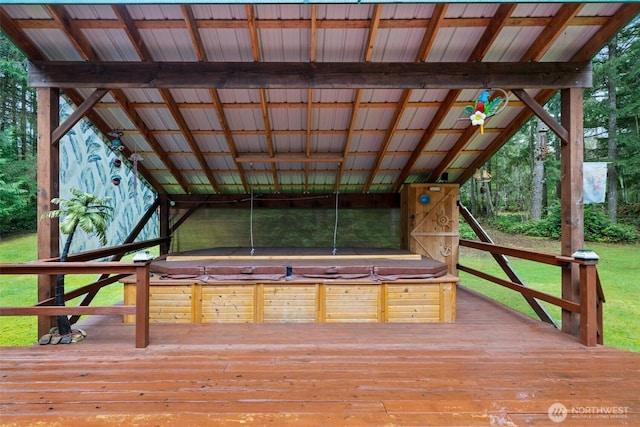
(117, 147)
(487, 105)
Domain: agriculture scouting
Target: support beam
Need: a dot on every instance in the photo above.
(78, 114)
(48, 188)
(164, 223)
(542, 114)
(320, 75)
(572, 209)
(347, 200)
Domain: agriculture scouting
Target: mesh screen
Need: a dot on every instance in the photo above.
(215, 227)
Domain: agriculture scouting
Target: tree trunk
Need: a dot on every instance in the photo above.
(537, 178)
(64, 326)
(612, 173)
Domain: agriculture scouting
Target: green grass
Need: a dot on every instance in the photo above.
(22, 291)
(619, 270)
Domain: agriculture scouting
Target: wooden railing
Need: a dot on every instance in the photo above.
(591, 295)
(120, 269)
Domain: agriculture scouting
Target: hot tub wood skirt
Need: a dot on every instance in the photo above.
(191, 301)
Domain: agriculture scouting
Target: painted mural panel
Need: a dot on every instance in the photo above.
(88, 163)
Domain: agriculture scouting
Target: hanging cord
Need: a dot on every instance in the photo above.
(335, 228)
(251, 217)
(251, 223)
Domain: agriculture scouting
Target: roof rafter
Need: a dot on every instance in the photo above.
(186, 132)
(60, 15)
(226, 130)
(194, 34)
(349, 137)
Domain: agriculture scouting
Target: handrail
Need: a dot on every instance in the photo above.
(591, 295)
(112, 250)
(141, 308)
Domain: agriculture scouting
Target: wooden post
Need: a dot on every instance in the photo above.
(164, 223)
(48, 188)
(142, 305)
(588, 304)
(572, 210)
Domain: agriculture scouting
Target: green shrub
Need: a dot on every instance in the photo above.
(597, 226)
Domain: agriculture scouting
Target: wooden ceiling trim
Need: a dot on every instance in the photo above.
(186, 133)
(75, 36)
(154, 24)
(194, 33)
(122, 100)
(102, 127)
(298, 105)
(557, 25)
(347, 144)
(304, 75)
(228, 135)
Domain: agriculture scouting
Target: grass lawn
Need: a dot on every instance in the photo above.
(619, 270)
(23, 291)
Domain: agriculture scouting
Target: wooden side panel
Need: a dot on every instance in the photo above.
(447, 302)
(170, 304)
(227, 304)
(430, 223)
(352, 303)
(289, 303)
(129, 299)
(413, 302)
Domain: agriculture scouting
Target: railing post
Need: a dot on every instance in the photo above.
(588, 297)
(142, 305)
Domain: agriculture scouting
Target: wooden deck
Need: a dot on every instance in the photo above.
(493, 367)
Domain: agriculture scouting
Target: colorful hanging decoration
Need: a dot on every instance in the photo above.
(486, 106)
(116, 142)
(115, 180)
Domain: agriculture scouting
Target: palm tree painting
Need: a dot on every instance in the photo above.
(91, 214)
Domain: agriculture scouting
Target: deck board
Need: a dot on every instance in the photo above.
(492, 367)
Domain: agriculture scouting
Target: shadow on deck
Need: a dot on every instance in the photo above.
(492, 367)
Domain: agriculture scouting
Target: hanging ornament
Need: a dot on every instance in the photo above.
(486, 106)
(115, 180)
(117, 162)
(116, 142)
(135, 158)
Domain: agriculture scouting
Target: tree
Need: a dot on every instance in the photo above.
(88, 212)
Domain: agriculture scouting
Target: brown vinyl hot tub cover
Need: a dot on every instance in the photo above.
(296, 263)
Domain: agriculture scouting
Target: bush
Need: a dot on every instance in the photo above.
(597, 227)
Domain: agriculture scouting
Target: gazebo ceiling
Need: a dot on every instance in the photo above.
(317, 98)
